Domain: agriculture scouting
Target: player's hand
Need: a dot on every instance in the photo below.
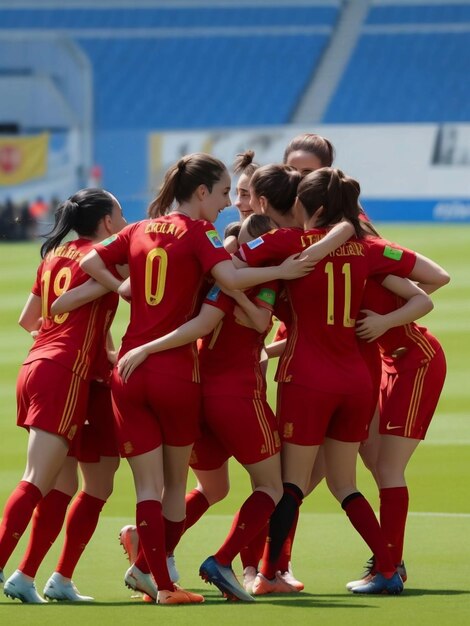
(295, 267)
(130, 361)
(371, 326)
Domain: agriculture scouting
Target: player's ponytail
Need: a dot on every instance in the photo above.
(182, 180)
(335, 193)
(81, 213)
(244, 163)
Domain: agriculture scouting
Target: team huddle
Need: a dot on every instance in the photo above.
(187, 387)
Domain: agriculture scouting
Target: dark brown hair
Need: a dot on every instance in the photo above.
(317, 145)
(278, 184)
(244, 163)
(81, 213)
(232, 229)
(337, 193)
(258, 224)
(183, 178)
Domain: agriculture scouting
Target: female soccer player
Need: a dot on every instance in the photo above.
(168, 256)
(66, 350)
(321, 369)
(414, 370)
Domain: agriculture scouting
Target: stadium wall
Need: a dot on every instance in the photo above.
(407, 172)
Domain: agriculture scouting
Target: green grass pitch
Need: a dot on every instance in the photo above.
(327, 552)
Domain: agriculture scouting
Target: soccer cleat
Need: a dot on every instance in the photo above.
(369, 573)
(290, 579)
(224, 579)
(249, 576)
(18, 586)
(401, 569)
(62, 589)
(263, 585)
(138, 581)
(129, 540)
(381, 585)
(179, 596)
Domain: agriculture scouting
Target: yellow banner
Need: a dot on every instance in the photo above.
(23, 158)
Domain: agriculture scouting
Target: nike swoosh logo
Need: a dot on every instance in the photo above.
(388, 427)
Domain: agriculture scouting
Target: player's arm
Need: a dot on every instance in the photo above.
(30, 317)
(230, 277)
(78, 296)
(250, 314)
(199, 326)
(93, 265)
(334, 238)
(429, 275)
(417, 304)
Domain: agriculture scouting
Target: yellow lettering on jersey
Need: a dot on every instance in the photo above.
(164, 228)
(350, 248)
(66, 252)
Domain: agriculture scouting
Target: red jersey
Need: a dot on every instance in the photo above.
(76, 339)
(322, 351)
(404, 347)
(230, 355)
(168, 258)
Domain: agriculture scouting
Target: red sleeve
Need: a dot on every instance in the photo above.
(266, 295)
(272, 248)
(390, 258)
(210, 248)
(115, 249)
(217, 298)
(36, 288)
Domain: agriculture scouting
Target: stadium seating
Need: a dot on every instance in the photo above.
(407, 67)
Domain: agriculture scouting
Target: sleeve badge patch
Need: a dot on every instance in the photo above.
(213, 294)
(109, 240)
(393, 253)
(255, 243)
(267, 295)
(214, 238)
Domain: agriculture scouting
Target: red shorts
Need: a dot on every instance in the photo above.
(97, 437)
(409, 398)
(307, 416)
(208, 452)
(154, 408)
(246, 427)
(52, 398)
(371, 354)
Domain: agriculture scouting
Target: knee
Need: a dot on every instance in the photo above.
(215, 493)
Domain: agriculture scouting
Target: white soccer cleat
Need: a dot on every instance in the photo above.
(62, 589)
(138, 581)
(172, 571)
(290, 579)
(20, 587)
(249, 577)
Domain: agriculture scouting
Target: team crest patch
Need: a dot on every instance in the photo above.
(255, 243)
(393, 253)
(213, 294)
(214, 238)
(109, 240)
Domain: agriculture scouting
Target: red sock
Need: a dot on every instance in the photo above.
(81, 524)
(151, 529)
(17, 514)
(173, 532)
(196, 506)
(141, 561)
(284, 559)
(248, 522)
(362, 517)
(252, 553)
(47, 521)
(393, 514)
